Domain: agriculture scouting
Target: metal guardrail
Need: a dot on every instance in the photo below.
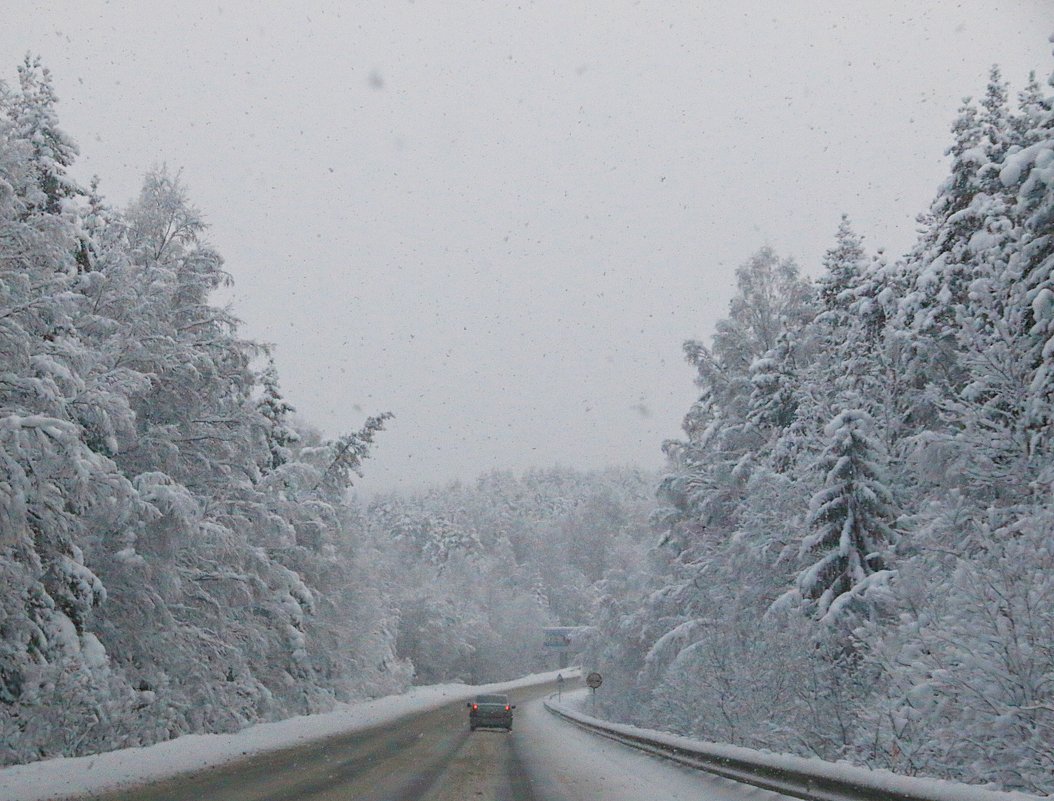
(790, 775)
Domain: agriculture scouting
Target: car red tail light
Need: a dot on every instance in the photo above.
(475, 707)
(508, 708)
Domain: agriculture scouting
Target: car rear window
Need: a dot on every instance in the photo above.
(492, 699)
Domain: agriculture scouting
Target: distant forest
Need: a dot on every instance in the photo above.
(850, 555)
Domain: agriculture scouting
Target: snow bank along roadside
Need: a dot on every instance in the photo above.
(883, 781)
(64, 777)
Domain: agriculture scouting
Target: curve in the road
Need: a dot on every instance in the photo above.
(432, 756)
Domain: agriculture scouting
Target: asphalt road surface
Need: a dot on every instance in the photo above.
(433, 757)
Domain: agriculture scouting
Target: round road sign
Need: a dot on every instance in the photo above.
(594, 680)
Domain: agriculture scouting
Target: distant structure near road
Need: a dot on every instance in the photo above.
(558, 637)
(564, 639)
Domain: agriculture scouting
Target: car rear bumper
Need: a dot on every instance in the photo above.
(490, 721)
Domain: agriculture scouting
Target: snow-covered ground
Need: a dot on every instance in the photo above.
(56, 778)
(578, 702)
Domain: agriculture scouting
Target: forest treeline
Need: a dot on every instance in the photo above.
(177, 552)
(856, 554)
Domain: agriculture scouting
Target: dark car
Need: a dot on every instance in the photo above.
(493, 711)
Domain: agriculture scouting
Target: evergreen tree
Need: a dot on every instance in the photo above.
(1028, 175)
(51, 151)
(844, 265)
(846, 361)
(275, 411)
(995, 119)
(773, 401)
(852, 518)
(1032, 107)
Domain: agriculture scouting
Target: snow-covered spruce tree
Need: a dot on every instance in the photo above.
(879, 373)
(945, 262)
(1032, 107)
(275, 411)
(844, 266)
(845, 358)
(854, 363)
(852, 520)
(35, 123)
(774, 400)
(1028, 175)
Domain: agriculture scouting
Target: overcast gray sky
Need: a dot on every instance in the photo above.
(499, 220)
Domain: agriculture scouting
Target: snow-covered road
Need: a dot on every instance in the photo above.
(415, 748)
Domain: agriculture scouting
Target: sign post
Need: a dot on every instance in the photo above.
(594, 680)
(559, 639)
